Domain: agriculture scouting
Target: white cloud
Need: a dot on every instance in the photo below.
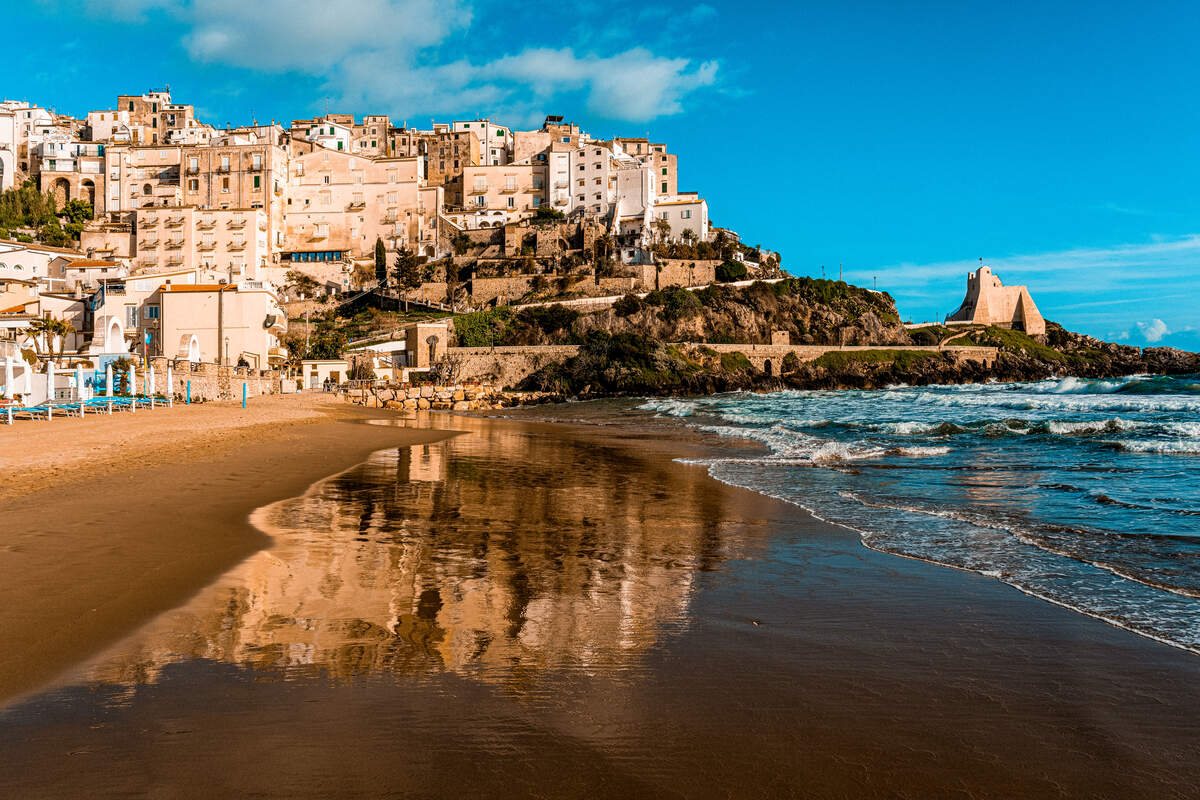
(390, 53)
(1154, 330)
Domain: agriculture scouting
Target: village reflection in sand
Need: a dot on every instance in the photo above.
(500, 554)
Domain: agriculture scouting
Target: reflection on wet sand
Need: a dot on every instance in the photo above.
(497, 554)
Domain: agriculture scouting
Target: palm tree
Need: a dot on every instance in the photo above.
(46, 328)
(662, 228)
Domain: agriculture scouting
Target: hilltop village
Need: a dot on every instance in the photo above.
(331, 248)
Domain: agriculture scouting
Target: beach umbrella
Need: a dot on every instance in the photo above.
(79, 382)
(108, 386)
(151, 379)
(50, 381)
(8, 377)
(132, 381)
(170, 393)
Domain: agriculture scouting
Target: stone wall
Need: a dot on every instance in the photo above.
(440, 397)
(676, 272)
(507, 366)
(760, 354)
(214, 382)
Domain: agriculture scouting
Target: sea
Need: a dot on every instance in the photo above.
(1085, 493)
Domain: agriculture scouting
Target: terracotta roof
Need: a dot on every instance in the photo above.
(201, 287)
(92, 262)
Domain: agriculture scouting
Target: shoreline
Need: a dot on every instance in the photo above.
(805, 660)
(176, 517)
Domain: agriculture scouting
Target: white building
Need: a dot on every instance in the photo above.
(495, 141)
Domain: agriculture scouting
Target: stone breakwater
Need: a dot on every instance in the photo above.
(443, 397)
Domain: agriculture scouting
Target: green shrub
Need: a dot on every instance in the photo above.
(628, 305)
(483, 328)
(729, 271)
(679, 303)
(735, 362)
(902, 359)
(791, 362)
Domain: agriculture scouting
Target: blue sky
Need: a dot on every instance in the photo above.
(1058, 141)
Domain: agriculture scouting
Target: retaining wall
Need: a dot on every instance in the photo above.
(215, 382)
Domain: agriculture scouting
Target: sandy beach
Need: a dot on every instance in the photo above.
(534, 610)
(109, 520)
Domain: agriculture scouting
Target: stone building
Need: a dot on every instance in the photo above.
(340, 203)
(989, 302)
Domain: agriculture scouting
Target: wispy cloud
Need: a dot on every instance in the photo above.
(412, 57)
(1099, 290)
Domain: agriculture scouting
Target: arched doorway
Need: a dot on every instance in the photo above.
(432, 341)
(61, 190)
(87, 190)
(767, 367)
(189, 347)
(114, 337)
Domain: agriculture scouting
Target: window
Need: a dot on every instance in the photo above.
(664, 187)
(193, 164)
(597, 181)
(566, 140)
(257, 160)
(151, 312)
(581, 198)
(499, 132)
(664, 170)
(339, 144)
(512, 202)
(224, 184)
(537, 181)
(131, 316)
(257, 182)
(374, 143)
(225, 163)
(130, 107)
(479, 200)
(480, 183)
(537, 201)
(687, 213)
(194, 185)
(326, 197)
(325, 179)
(510, 183)
(597, 195)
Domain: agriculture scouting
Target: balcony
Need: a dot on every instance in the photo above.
(236, 224)
(175, 261)
(148, 221)
(255, 167)
(224, 168)
(237, 246)
(148, 244)
(207, 246)
(479, 190)
(317, 234)
(173, 222)
(174, 244)
(357, 205)
(206, 224)
(193, 170)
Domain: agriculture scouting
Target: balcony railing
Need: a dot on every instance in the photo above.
(174, 222)
(174, 244)
(193, 170)
(206, 224)
(236, 224)
(224, 168)
(255, 167)
(148, 244)
(148, 221)
(237, 245)
(357, 205)
(207, 246)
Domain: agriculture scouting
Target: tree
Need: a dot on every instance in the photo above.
(662, 229)
(45, 329)
(381, 263)
(409, 269)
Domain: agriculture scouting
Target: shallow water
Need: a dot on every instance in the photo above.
(1083, 492)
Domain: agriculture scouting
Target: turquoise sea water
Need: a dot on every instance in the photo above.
(1083, 492)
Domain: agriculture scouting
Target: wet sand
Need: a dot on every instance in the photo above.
(136, 512)
(535, 610)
